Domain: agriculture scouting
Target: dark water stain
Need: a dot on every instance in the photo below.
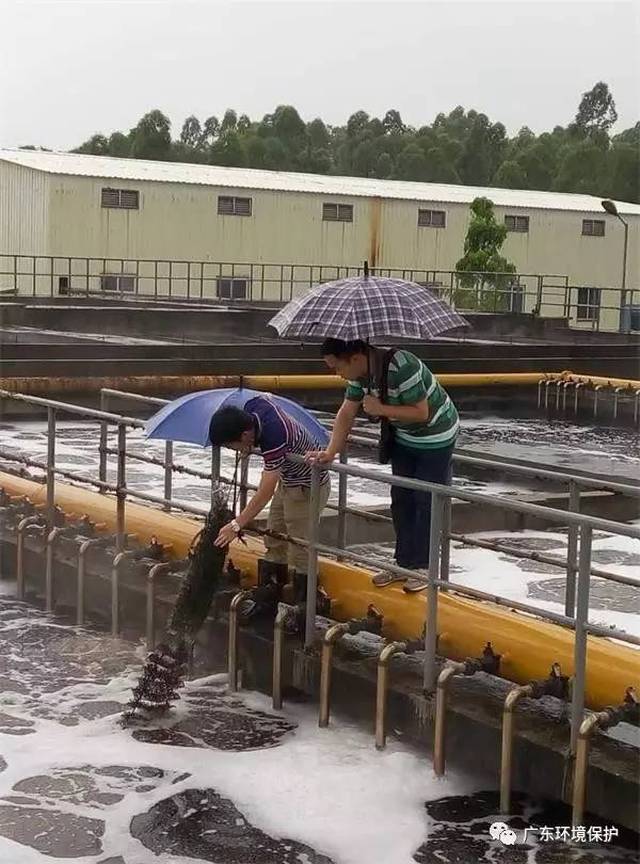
(39, 814)
(529, 544)
(201, 824)
(602, 594)
(460, 833)
(63, 835)
(218, 720)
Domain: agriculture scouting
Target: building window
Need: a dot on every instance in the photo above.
(120, 282)
(432, 218)
(593, 227)
(121, 199)
(337, 212)
(232, 289)
(517, 223)
(229, 205)
(588, 307)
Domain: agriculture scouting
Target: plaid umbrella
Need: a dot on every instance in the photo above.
(368, 308)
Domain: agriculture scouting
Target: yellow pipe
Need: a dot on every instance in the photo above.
(187, 384)
(174, 384)
(465, 625)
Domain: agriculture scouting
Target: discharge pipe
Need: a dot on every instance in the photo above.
(372, 624)
(556, 685)
(490, 663)
(232, 658)
(629, 711)
(278, 654)
(382, 687)
(34, 521)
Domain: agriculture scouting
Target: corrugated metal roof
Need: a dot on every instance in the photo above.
(248, 178)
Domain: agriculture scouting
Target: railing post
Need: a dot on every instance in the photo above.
(244, 479)
(51, 466)
(445, 540)
(168, 473)
(539, 296)
(312, 566)
(580, 643)
(572, 552)
(215, 471)
(104, 434)
(431, 632)
(342, 502)
(121, 493)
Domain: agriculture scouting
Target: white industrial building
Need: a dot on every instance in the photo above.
(133, 217)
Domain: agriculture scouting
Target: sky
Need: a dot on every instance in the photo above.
(71, 69)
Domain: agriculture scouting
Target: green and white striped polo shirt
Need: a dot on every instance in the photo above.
(410, 381)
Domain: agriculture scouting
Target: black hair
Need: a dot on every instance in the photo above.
(228, 424)
(342, 348)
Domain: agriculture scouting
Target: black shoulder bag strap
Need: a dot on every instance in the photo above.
(386, 429)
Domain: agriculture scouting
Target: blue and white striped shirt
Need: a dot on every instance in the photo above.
(278, 435)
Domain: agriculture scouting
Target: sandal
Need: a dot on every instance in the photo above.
(415, 583)
(385, 577)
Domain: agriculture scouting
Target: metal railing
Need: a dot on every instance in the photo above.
(166, 279)
(578, 555)
(368, 440)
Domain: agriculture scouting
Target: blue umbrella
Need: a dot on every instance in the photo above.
(187, 418)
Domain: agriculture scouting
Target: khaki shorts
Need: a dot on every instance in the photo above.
(289, 514)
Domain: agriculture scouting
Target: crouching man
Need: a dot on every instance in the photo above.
(285, 483)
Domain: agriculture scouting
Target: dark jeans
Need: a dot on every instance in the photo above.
(411, 510)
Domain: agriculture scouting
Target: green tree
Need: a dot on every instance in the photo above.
(289, 127)
(210, 131)
(229, 121)
(411, 164)
(357, 123)
(228, 151)
(462, 147)
(597, 110)
(255, 150)
(119, 145)
(191, 134)
(152, 137)
(384, 166)
(97, 145)
(364, 159)
(318, 134)
(485, 236)
(276, 157)
(582, 169)
(510, 175)
(392, 122)
(623, 181)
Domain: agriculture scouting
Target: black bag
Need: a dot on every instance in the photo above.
(387, 432)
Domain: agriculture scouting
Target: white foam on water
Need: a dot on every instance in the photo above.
(327, 788)
(487, 570)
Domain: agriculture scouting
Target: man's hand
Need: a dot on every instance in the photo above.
(372, 406)
(226, 535)
(320, 457)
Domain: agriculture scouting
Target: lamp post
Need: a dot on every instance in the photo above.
(610, 207)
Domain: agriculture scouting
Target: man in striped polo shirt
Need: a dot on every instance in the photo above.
(424, 424)
(284, 483)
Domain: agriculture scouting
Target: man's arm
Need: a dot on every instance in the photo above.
(341, 428)
(264, 494)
